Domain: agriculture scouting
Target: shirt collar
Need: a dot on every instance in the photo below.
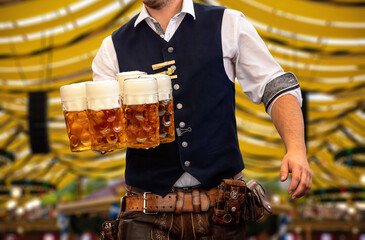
(187, 7)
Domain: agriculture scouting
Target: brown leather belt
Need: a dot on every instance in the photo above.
(194, 200)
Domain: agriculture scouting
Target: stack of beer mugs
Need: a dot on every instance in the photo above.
(135, 111)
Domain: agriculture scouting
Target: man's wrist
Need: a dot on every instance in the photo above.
(298, 150)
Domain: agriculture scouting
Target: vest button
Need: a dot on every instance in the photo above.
(181, 124)
(176, 86)
(170, 49)
(184, 144)
(179, 106)
(187, 163)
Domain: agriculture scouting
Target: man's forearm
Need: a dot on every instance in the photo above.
(288, 120)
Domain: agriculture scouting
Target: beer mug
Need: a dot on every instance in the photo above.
(120, 77)
(165, 108)
(105, 115)
(140, 109)
(73, 99)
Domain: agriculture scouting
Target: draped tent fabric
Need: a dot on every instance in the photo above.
(47, 44)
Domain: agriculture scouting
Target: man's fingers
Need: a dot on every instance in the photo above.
(309, 182)
(301, 189)
(304, 184)
(296, 177)
(284, 171)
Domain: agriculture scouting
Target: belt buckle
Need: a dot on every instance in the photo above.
(145, 204)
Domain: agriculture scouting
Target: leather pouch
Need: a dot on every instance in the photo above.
(229, 202)
(255, 204)
(110, 229)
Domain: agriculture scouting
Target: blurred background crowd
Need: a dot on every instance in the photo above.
(49, 193)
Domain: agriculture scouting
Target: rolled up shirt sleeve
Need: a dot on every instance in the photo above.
(284, 84)
(252, 64)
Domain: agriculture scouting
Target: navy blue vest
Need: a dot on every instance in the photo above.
(210, 152)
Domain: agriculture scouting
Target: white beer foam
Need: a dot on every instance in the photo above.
(163, 84)
(102, 95)
(139, 91)
(73, 91)
(106, 88)
(73, 97)
(120, 77)
(140, 100)
(98, 104)
(75, 105)
(164, 96)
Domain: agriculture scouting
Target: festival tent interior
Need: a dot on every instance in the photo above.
(47, 44)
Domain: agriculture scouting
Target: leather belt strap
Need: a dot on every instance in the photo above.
(177, 202)
(196, 200)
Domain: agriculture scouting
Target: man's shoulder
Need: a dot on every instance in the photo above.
(233, 13)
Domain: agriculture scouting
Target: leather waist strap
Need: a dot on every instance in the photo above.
(197, 200)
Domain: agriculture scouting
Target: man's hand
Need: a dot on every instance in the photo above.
(298, 166)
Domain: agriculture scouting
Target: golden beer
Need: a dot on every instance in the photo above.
(73, 99)
(140, 109)
(77, 125)
(105, 115)
(166, 107)
(106, 128)
(166, 117)
(141, 125)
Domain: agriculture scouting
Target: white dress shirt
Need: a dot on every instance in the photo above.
(245, 57)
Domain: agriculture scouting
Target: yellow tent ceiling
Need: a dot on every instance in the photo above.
(47, 44)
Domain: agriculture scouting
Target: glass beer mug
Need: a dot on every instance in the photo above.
(73, 99)
(165, 108)
(105, 115)
(140, 109)
(120, 77)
